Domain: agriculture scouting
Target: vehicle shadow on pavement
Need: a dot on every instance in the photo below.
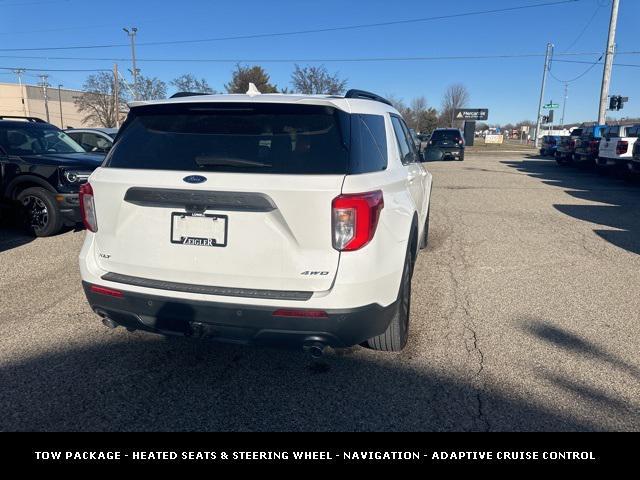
(574, 344)
(12, 237)
(621, 199)
(142, 382)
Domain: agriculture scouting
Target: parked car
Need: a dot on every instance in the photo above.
(94, 139)
(616, 145)
(550, 145)
(446, 143)
(566, 149)
(259, 219)
(41, 170)
(588, 145)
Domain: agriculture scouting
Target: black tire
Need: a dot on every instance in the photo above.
(40, 213)
(395, 337)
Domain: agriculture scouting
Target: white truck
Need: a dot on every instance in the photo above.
(616, 145)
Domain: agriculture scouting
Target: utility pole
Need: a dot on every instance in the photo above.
(60, 103)
(544, 83)
(132, 35)
(19, 72)
(116, 94)
(564, 106)
(608, 62)
(44, 85)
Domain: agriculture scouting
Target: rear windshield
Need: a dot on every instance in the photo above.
(446, 136)
(576, 132)
(633, 132)
(253, 138)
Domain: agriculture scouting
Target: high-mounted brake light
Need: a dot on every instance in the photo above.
(355, 218)
(88, 208)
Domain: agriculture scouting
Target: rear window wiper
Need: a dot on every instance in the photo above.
(229, 162)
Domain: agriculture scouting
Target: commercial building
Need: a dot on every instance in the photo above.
(28, 100)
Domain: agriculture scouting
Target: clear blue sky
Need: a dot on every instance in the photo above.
(508, 87)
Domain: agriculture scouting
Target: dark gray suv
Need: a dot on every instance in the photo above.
(445, 143)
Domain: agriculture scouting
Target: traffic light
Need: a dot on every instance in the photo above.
(613, 103)
(617, 102)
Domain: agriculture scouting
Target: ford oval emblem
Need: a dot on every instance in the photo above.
(195, 179)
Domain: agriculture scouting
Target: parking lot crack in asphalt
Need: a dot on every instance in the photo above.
(458, 269)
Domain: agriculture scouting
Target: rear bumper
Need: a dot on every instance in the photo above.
(612, 162)
(239, 323)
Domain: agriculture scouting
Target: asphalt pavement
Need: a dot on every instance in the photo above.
(525, 316)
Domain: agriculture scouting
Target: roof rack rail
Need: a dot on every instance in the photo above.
(353, 93)
(22, 117)
(187, 94)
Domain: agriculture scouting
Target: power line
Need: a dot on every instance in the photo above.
(316, 60)
(302, 32)
(593, 17)
(579, 76)
(615, 64)
(58, 69)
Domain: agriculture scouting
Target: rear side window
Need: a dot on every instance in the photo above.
(633, 132)
(234, 137)
(368, 143)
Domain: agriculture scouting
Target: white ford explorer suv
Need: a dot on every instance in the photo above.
(279, 219)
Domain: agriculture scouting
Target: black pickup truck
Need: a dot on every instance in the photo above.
(41, 170)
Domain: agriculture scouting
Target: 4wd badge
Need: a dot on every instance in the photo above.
(310, 273)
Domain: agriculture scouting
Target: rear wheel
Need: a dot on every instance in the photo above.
(40, 214)
(395, 337)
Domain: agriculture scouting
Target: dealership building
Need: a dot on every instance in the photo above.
(29, 101)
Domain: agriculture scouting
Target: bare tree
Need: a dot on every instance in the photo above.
(423, 119)
(398, 104)
(456, 96)
(97, 100)
(419, 116)
(317, 80)
(242, 76)
(151, 88)
(189, 83)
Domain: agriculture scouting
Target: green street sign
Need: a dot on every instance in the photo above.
(551, 105)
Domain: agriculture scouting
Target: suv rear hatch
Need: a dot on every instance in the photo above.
(227, 195)
(446, 139)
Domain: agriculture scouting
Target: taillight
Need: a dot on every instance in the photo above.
(572, 144)
(88, 208)
(106, 291)
(354, 219)
(622, 148)
(595, 145)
